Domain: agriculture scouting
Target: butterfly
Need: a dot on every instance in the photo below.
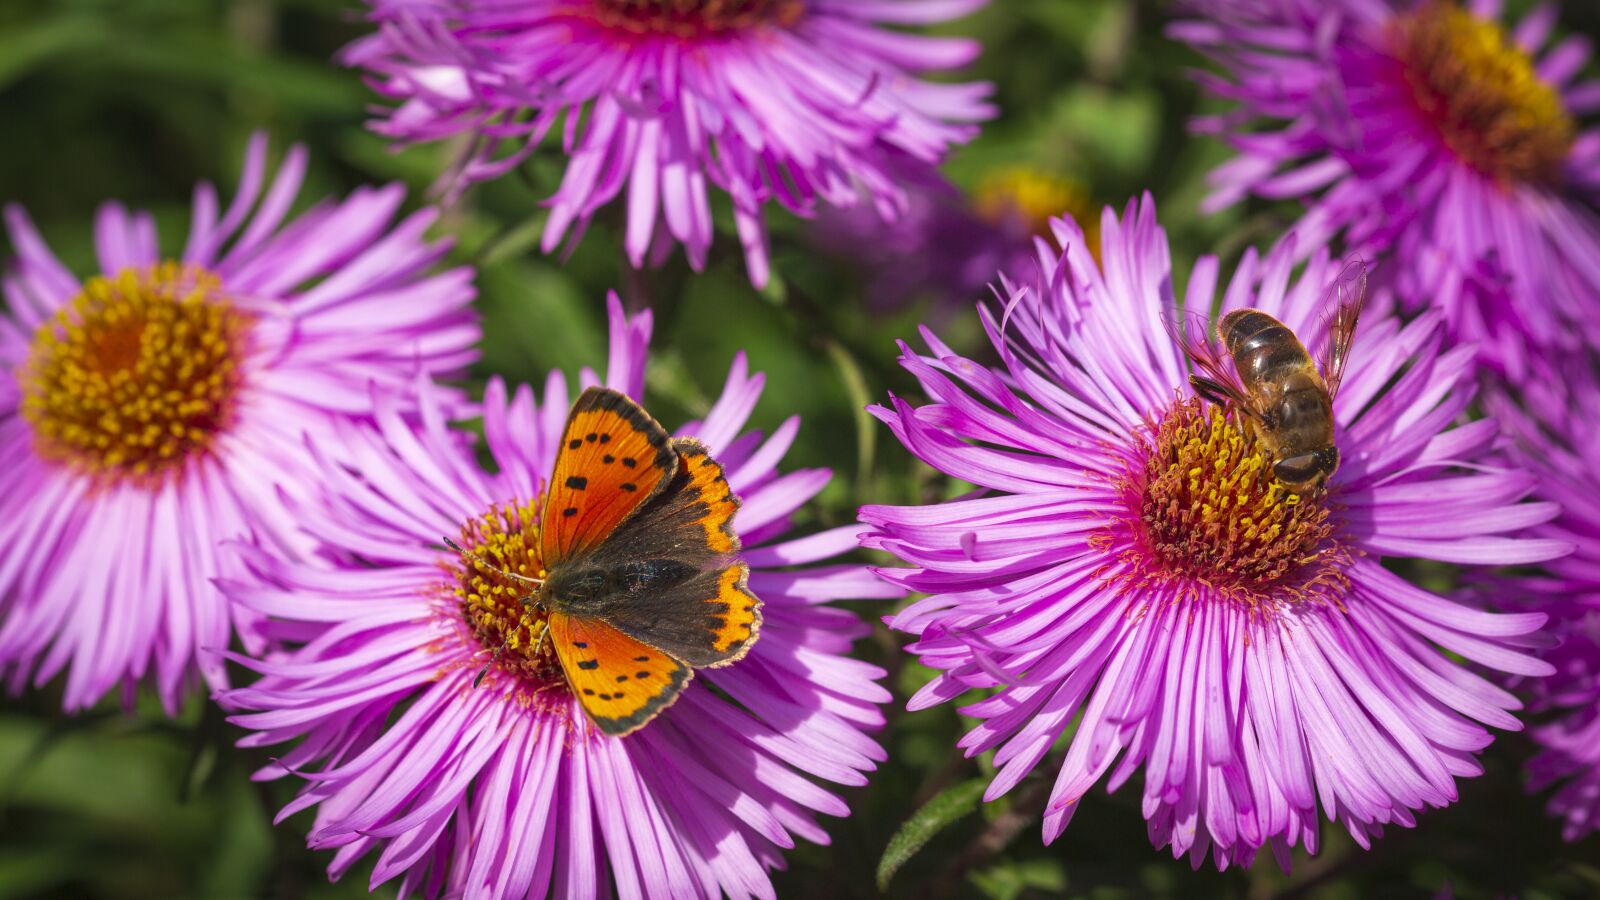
(642, 583)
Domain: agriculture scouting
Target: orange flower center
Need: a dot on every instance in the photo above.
(137, 374)
(1029, 198)
(1205, 509)
(696, 18)
(1484, 94)
(496, 606)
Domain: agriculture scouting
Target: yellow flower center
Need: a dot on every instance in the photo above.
(137, 374)
(1206, 510)
(1484, 94)
(696, 18)
(1029, 197)
(506, 539)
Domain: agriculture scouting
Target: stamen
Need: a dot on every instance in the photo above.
(1484, 94)
(137, 374)
(696, 18)
(1205, 510)
(497, 573)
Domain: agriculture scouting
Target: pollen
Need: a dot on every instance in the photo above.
(1205, 510)
(137, 375)
(696, 18)
(498, 608)
(1030, 197)
(1484, 94)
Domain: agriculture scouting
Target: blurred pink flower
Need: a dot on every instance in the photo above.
(786, 101)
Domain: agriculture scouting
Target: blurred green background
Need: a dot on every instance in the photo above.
(137, 100)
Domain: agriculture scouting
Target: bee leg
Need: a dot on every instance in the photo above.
(1210, 391)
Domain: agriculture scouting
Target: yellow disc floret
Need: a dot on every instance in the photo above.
(506, 539)
(1485, 94)
(136, 375)
(1205, 509)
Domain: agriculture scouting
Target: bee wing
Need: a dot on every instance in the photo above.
(1190, 331)
(1347, 293)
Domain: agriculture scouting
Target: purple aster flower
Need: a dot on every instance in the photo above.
(1435, 132)
(507, 789)
(148, 410)
(786, 101)
(1127, 571)
(1552, 419)
(949, 246)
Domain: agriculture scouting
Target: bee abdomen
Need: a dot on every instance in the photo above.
(1260, 345)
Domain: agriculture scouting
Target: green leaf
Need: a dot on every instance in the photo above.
(1011, 879)
(537, 318)
(307, 86)
(26, 49)
(946, 807)
(855, 383)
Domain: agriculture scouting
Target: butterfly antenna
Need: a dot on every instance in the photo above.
(505, 642)
(536, 582)
(478, 678)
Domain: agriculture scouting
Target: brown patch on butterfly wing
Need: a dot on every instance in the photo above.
(710, 618)
(621, 682)
(613, 458)
(689, 520)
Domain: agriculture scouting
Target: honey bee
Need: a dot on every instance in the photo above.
(1283, 398)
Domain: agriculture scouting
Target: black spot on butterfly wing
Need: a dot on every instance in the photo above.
(662, 697)
(667, 526)
(584, 500)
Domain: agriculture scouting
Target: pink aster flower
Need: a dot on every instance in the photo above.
(1552, 420)
(785, 101)
(1437, 133)
(948, 246)
(148, 410)
(506, 789)
(1129, 572)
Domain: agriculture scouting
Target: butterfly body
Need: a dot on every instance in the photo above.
(642, 580)
(593, 591)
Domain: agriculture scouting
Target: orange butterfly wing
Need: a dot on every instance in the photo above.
(622, 683)
(709, 618)
(733, 613)
(613, 457)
